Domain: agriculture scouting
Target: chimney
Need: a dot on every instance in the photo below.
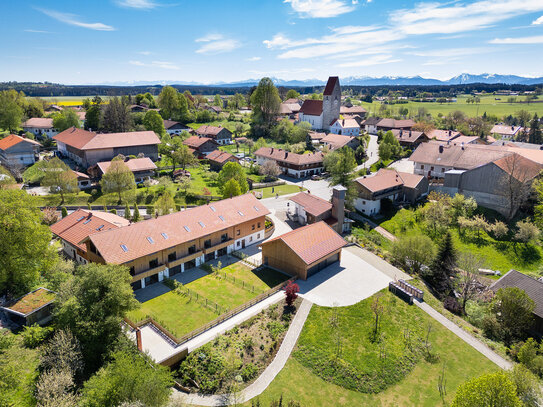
(450, 133)
(138, 340)
(401, 133)
(286, 154)
(440, 149)
(338, 206)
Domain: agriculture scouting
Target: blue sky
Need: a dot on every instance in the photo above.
(100, 41)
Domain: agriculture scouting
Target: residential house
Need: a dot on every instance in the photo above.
(40, 126)
(316, 137)
(142, 168)
(87, 148)
(370, 125)
(321, 113)
(16, 151)
(170, 244)
(32, 308)
(388, 184)
(410, 138)
(304, 251)
(305, 208)
(336, 141)
(506, 132)
(201, 146)
(221, 135)
(532, 287)
(391, 124)
(443, 135)
(138, 108)
(80, 224)
(346, 127)
(175, 128)
(213, 109)
(83, 180)
(218, 158)
(295, 165)
(353, 111)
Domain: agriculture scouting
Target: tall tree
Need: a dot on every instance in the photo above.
(59, 178)
(25, 243)
(183, 157)
(513, 309)
(265, 101)
(154, 122)
(292, 94)
(118, 179)
(443, 268)
(233, 171)
(231, 188)
(165, 204)
(116, 117)
(93, 114)
(341, 164)
(11, 113)
(92, 306)
(514, 184)
(65, 119)
(389, 147)
(168, 101)
(534, 136)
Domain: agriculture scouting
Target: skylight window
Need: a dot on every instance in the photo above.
(87, 221)
(150, 239)
(256, 208)
(81, 218)
(213, 208)
(100, 227)
(187, 228)
(221, 218)
(241, 213)
(201, 224)
(164, 235)
(125, 249)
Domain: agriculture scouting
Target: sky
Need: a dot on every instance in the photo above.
(117, 41)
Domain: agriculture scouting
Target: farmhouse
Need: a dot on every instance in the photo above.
(221, 135)
(506, 132)
(410, 138)
(443, 135)
(321, 113)
(143, 168)
(87, 148)
(391, 124)
(388, 184)
(296, 165)
(346, 127)
(304, 251)
(336, 141)
(80, 224)
(202, 146)
(218, 158)
(39, 126)
(370, 125)
(16, 151)
(532, 287)
(164, 246)
(175, 128)
(32, 308)
(353, 111)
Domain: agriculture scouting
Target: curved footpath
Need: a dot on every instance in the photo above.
(267, 376)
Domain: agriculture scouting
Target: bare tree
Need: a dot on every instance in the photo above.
(378, 308)
(515, 183)
(270, 169)
(467, 282)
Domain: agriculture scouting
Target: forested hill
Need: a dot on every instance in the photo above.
(47, 89)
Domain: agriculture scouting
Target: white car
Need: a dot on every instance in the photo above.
(240, 155)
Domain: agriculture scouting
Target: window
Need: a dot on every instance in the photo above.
(224, 237)
(212, 208)
(99, 228)
(443, 170)
(256, 208)
(153, 263)
(253, 227)
(207, 243)
(192, 249)
(221, 218)
(431, 168)
(187, 228)
(251, 239)
(241, 213)
(81, 218)
(125, 249)
(87, 221)
(258, 236)
(237, 232)
(202, 224)
(132, 271)
(172, 257)
(259, 225)
(150, 239)
(164, 235)
(422, 166)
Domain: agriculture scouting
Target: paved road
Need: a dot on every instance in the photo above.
(373, 154)
(383, 232)
(264, 380)
(466, 337)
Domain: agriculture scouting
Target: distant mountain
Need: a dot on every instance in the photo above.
(461, 79)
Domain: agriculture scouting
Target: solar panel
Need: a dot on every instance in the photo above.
(150, 239)
(125, 249)
(256, 208)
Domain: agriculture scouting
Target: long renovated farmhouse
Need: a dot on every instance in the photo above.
(87, 148)
(295, 165)
(170, 244)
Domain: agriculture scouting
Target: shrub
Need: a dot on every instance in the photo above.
(451, 304)
(150, 210)
(291, 292)
(64, 211)
(248, 372)
(34, 335)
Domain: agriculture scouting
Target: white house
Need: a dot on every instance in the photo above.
(17, 151)
(173, 127)
(40, 125)
(295, 165)
(345, 127)
(506, 132)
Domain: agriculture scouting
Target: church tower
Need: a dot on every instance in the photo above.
(331, 102)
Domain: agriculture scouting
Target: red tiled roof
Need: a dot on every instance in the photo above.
(351, 110)
(312, 107)
(134, 165)
(206, 130)
(196, 141)
(443, 135)
(179, 227)
(39, 122)
(332, 80)
(407, 136)
(346, 123)
(337, 140)
(80, 174)
(312, 204)
(386, 178)
(280, 155)
(82, 223)
(12, 139)
(313, 242)
(396, 124)
(86, 140)
(220, 156)
(519, 167)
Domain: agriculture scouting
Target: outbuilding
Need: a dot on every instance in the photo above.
(32, 308)
(304, 251)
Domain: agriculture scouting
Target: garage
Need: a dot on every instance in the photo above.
(305, 251)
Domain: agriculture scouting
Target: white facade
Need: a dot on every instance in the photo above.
(337, 128)
(248, 240)
(71, 252)
(371, 129)
(367, 207)
(49, 132)
(290, 171)
(314, 121)
(437, 171)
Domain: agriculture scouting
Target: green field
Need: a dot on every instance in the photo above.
(488, 104)
(70, 100)
(300, 382)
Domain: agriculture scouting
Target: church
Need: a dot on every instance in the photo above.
(322, 113)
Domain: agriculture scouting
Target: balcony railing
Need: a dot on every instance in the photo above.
(149, 272)
(184, 259)
(218, 246)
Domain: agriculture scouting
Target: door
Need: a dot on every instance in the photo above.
(243, 244)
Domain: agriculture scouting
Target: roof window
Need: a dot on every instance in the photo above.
(187, 228)
(164, 235)
(201, 224)
(125, 249)
(150, 239)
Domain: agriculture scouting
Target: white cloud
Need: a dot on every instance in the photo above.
(253, 59)
(375, 60)
(37, 31)
(216, 44)
(155, 64)
(139, 4)
(72, 19)
(145, 52)
(321, 8)
(539, 21)
(537, 39)
(450, 52)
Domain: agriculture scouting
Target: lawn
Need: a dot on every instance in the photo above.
(224, 123)
(488, 104)
(262, 279)
(280, 189)
(70, 100)
(223, 292)
(300, 382)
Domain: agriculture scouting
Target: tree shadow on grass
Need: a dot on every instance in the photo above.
(527, 254)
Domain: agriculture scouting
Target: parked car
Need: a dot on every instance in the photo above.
(316, 177)
(240, 155)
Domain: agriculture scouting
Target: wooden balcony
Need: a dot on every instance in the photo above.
(147, 273)
(184, 259)
(218, 246)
